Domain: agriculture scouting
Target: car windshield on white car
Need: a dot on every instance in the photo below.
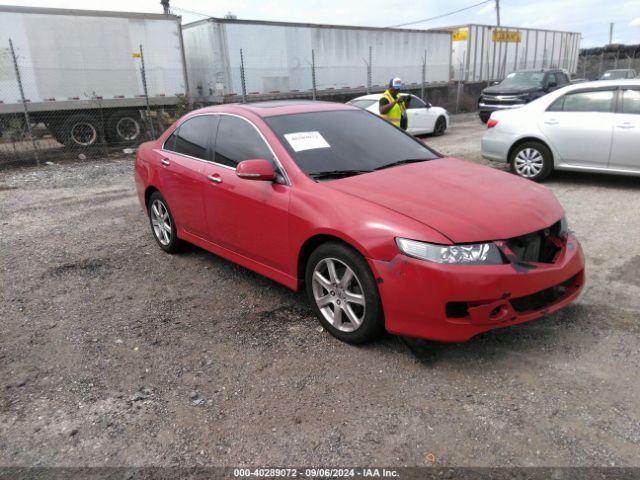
(328, 145)
(523, 79)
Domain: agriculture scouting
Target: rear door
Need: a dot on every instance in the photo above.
(579, 127)
(625, 151)
(418, 117)
(248, 217)
(182, 161)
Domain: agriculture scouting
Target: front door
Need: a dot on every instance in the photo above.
(625, 151)
(248, 217)
(579, 127)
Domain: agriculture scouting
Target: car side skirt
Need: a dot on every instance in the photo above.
(265, 270)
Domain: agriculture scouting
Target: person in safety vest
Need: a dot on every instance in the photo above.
(392, 106)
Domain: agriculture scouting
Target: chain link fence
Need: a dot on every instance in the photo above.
(592, 65)
(47, 112)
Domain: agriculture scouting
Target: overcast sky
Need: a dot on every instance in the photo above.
(590, 17)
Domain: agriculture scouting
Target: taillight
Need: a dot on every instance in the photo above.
(492, 123)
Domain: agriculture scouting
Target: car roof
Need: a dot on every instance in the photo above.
(620, 70)
(372, 96)
(277, 107)
(622, 82)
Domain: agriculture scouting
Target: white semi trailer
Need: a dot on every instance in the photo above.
(284, 57)
(79, 71)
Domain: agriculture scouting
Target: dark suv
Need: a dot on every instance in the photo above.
(519, 88)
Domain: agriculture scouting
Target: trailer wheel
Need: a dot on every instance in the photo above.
(79, 130)
(124, 127)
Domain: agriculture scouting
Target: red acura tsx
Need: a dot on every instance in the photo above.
(381, 231)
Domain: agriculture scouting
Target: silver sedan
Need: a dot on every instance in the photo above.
(590, 127)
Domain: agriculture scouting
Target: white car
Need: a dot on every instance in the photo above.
(589, 127)
(422, 117)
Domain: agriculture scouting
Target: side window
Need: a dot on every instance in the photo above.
(563, 79)
(193, 137)
(170, 142)
(238, 140)
(551, 78)
(595, 101)
(416, 103)
(631, 101)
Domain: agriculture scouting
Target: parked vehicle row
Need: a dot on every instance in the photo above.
(592, 127)
(382, 232)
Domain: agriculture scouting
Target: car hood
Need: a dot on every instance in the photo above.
(499, 90)
(465, 202)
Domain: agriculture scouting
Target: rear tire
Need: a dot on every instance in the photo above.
(163, 227)
(79, 131)
(343, 293)
(531, 160)
(124, 127)
(484, 116)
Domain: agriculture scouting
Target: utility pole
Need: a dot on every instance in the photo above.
(498, 12)
(611, 33)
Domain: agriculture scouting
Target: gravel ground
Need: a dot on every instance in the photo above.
(114, 353)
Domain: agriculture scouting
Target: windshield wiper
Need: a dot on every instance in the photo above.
(336, 173)
(402, 162)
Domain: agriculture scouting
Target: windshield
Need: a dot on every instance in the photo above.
(523, 79)
(344, 141)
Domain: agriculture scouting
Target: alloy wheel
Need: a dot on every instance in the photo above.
(528, 162)
(338, 294)
(161, 222)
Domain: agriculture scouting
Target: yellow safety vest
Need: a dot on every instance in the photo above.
(394, 115)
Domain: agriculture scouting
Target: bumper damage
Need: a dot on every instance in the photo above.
(453, 303)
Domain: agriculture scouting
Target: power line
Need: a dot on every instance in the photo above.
(442, 15)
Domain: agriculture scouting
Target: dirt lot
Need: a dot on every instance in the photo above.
(114, 353)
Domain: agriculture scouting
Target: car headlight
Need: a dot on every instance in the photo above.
(470, 254)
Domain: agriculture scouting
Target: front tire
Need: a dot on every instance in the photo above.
(343, 293)
(440, 127)
(531, 160)
(162, 224)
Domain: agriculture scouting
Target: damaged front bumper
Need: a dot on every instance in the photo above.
(453, 303)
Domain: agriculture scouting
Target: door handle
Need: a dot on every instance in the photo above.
(214, 178)
(626, 125)
(165, 162)
(551, 122)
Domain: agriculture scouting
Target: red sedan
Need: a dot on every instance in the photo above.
(381, 231)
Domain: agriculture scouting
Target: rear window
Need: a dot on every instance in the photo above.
(344, 140)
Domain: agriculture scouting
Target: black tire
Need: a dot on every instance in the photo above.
(484, 116)
(80, 130)
(372, 324)
(440, 127)
(542, 150)
(124, 127)
(173, 245)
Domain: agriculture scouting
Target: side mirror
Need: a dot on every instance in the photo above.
(258, 169)
(429, 104)
(551, 85)
(495, 83)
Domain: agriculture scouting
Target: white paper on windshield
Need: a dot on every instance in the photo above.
(300, 141)
(512, 74)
